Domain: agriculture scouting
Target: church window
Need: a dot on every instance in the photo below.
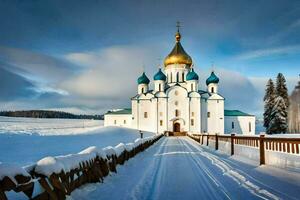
(115, 122)
(217, 101)
(142, 90)
(160, 122)
(176, 113)
(145, 115)
(250, 127)
(212, 90)
(208, 114)
(192, 122)
(159, 87)
(176, 92)
(232, 125)
(192, 87)
(171, 78)
(182, 77)
(124, 121)
(177, 77)
(193, 114)
(176, 103)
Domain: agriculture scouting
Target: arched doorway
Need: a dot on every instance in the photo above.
(176, 127)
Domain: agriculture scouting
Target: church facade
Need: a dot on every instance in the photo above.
(176, 104)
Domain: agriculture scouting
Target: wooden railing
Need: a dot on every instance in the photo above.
(284, 145)
(57, 185)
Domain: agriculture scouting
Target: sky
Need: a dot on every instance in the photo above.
(85, 56)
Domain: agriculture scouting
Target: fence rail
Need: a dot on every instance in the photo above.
(284, 145)
(92, 165)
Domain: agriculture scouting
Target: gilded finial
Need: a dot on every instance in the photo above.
(178, 36)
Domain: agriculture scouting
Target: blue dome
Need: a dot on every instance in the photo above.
(143, 79)
(192, 75)
(212, 79)
(160, 76)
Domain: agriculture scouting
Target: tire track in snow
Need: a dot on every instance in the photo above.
(234, 175)
(142, 188)
(207, 177)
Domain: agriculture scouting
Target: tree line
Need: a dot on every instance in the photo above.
(276, 101)
(48, 114)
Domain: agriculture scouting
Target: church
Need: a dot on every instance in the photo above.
(176, 105)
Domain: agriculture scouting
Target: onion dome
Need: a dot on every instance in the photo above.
(212, 79)
(192, 75)
(160, 76)
(178, 54)
(143, 79)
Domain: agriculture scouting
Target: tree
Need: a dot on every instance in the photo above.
(269, 100)
(281, 89)
(278, 123)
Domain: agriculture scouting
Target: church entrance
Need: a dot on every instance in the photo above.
(176, 127)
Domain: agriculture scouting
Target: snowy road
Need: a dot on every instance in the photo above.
(178, 168)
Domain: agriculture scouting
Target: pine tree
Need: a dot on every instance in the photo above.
(269, 100)
(278, 123)
(281, 89)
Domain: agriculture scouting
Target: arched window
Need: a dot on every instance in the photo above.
(142, 90)
(212, 90)
(192, 87)
(183, 77)
(177, 77)
(171, 77)
(159, 87)
(176, 113)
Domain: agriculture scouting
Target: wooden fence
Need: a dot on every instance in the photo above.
(284, 145)
(57, 185)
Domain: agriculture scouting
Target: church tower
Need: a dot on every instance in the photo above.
(177, 63)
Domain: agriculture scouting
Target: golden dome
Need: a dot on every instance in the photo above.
(178, 55)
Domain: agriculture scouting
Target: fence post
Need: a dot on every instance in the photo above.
(232, 143)
(207, 139)
(262, 149)
(217, 142)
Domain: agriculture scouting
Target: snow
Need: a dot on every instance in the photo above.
(11, 171)
(24, 141)
(38, 126)
(179, 168)
(93, 149)
(119, 149)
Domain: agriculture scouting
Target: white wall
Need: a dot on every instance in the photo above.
(179, 95)
(215, 123)
(241, 125)
(123, 120)
(195, 114)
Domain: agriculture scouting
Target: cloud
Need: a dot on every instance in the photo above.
(13, 86)
(260, 53)
(35, 66)
(110, 73)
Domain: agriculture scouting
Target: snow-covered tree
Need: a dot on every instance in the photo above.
(281, 89)
(269, 100)
(278, 123)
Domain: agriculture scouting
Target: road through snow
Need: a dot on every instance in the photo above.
(179, 168)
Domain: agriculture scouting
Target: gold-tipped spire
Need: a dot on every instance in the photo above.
(178, 54)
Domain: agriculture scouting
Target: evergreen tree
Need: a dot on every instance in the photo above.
(278, 123)
(281, 89)
(269, 100)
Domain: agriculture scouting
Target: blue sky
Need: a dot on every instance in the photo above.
(85, 56)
